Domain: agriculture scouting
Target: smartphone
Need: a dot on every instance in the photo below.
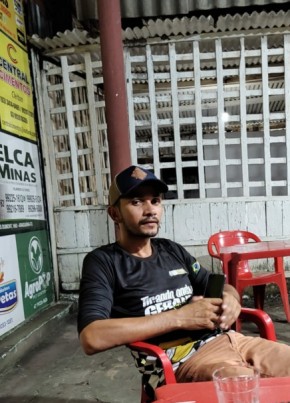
(215, 285)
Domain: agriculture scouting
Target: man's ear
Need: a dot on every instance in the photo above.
(114, 214)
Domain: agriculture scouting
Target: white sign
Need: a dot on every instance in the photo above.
(11, 305)
(20, 180)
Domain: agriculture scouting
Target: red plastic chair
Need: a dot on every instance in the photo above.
(245, 276)
(260, 318)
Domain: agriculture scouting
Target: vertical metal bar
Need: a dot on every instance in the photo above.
(243, 120)
(131, 114)
(266, 115)
(114, 84)
(220, 112)
(153, 112)
(287, 104)
(176, 125)
(198, 119)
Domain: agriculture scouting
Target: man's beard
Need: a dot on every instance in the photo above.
(140, 234)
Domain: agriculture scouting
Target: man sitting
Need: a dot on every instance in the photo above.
(146, 288)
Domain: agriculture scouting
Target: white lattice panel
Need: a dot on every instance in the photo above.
(178, 96)
(77, 139)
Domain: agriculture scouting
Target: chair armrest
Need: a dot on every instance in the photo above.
(157, 352)
(257, 316)
(262, 320)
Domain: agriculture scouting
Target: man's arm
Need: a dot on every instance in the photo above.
(103, 334)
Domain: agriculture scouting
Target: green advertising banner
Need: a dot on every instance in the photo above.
(26, 280)
(35, 271)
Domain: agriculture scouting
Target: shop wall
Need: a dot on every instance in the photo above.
(26, 275)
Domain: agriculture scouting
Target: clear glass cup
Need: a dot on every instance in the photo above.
(237, 384)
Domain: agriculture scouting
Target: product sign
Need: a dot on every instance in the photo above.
(26, 275)
(12, 20)
(20, 181)
(11, 305)
(35, 271)
(16, 101)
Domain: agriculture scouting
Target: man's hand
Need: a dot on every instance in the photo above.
(200, 313)
(231, 308)
(209, 313)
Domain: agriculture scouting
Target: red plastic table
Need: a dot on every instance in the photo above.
(272, 390)
(231, 255)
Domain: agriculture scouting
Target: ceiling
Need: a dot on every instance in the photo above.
(46, 18)
(87, 9)
(205, 28)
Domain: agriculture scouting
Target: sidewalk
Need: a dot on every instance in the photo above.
(55, 370)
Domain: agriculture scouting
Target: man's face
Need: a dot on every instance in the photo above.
(140, 214)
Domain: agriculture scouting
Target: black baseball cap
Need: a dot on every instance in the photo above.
(126, 181)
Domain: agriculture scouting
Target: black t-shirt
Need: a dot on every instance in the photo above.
(116, 284)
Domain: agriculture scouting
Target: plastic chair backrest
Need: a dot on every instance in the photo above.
(230, 238)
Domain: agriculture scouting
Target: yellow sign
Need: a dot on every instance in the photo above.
(16, 100)
(12, 21)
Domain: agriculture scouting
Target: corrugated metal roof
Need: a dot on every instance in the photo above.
(76, 41)
(87, 9)
(184, 26)
(190, 26)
